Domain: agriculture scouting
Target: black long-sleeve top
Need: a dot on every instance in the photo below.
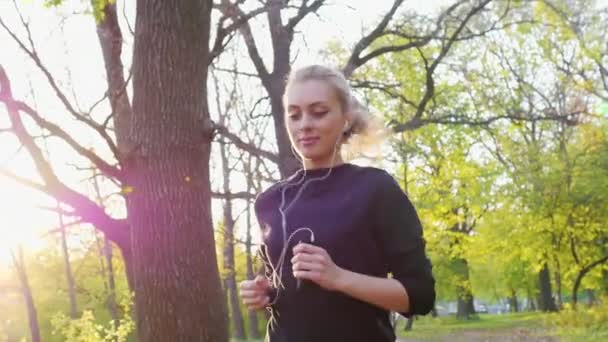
(367, 224)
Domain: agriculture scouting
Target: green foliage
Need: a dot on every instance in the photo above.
(582, 324)
(87, 329)
(97, 6)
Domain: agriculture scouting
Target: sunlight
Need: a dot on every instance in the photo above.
(21, 222)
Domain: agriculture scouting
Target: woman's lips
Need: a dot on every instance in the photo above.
(308, 141)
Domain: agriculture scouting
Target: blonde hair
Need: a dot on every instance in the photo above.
(364, 130)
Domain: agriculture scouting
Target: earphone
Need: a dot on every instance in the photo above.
(346, 127)
(277, 270)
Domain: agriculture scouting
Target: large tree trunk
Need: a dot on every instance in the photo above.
(545, 301)
(229, 269)
(465, 308)
(178, 293)
(32, 315)
(67, 267)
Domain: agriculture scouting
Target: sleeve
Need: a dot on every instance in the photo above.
(399, 232)
(263, 251)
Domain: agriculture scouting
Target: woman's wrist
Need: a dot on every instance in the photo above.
(343, 280)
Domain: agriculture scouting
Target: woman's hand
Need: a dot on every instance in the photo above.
(314, 263)
(255, 293)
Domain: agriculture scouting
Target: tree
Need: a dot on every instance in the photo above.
(32, 314)
(160, 161)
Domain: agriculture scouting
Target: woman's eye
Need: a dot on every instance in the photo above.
(319, 113)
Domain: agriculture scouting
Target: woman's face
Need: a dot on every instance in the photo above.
(315, 121)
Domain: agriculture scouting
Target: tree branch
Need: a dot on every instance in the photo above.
(116, 230)
(232, 10)
(233, 195)
(303, 11)
(34, 56)
(236, 140)
(354, 61)
(17, 106)
(223, 32)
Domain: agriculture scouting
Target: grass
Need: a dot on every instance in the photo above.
(438, 329)
(525, 326)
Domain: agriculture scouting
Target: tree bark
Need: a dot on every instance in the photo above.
(32, 315)
(545, 301)
(178, 293)
(465, 308)
(558, 286)
(581, 274)
(229, 269)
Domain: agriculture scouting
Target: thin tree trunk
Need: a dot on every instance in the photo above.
(409, 324)
(108, 272)
(110, 40)
(581, 274)
(254, 331)
(67, 267)
(32, 315)
(229, 269)
(111, 301)
(545, 300)
(178, 293)
(513, 301)
(605, 285)
(558, 285)
(532, 304)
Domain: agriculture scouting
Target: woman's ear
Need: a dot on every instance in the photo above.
(346, 127)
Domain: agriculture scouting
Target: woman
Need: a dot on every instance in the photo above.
(333, 232)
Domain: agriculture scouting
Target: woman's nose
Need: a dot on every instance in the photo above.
(306, 122)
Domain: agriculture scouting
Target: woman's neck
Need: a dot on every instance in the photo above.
(310, 164)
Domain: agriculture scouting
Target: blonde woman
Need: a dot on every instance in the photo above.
(334, 231)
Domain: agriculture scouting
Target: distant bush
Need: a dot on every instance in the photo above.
(87, 329)
(586, 323)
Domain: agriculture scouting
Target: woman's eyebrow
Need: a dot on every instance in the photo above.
(313, 104)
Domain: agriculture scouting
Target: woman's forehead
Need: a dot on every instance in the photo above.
(310, 92)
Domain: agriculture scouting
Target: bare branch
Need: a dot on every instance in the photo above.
(244, 145)
(303, 11)
(117, 230)
(234, 12)
(55, 130)
(228, 31)
(354, 60)
(78, 116)
(234, 195)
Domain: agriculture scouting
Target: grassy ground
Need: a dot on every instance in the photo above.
(508, 327)
(498, 328)
(521, 327)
